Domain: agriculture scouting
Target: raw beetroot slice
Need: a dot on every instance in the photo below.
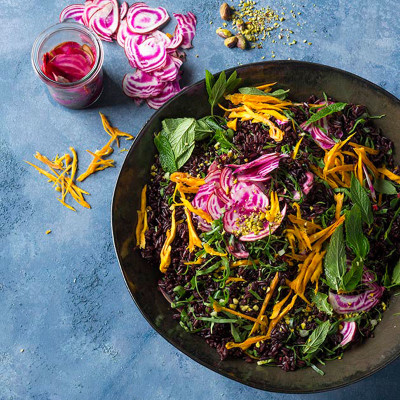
(169, 91)
(144, 19)
(187, 25)
(123, 10)
(142, 85)
(149, 55)
(105, 21)
(73, 11)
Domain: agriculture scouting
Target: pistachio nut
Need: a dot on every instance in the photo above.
(225, 12)
(224, 33)
(240, 24)
(231, 41)
(241, 41)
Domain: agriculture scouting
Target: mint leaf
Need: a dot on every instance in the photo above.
(321, 301)
(201, 130)
(210, 81)
(184, 156)
(359, 196)
(385, 187)
(280, 94)
(329, 109)
(252, 90)
(355, 237)
(222, 137)
(167, 158)
(353, 276)
(220, 87)
(169, 125)
(335, 260)
(396, 275)
(317, 338)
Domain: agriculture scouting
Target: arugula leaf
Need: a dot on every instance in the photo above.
(358, 121)
(220, 87)
(321, 301)
(329, 109)
(359, 196)
(280, 94)
(335, 260)
(396, 214)
(385, 187)
(317, 338)
(252, 90)
(224, 140)
(167, 158)
(353, 276)
(355, 237)
(396, 275)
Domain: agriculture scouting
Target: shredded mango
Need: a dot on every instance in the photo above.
(296, 148)
(339, 197)
(247, 343)
(393, 177)
(219, 308)
(232, 124)
(211, 251)
(186, 179)
(275, 321)
(165, 255)
(278, 306)
(268, 296)
(235, 279)
(206, 216)
(194, 240)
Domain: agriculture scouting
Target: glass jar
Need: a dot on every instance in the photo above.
(79, 94)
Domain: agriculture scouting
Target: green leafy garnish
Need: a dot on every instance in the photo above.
(167, 157)
(317, 339)
(396, 275)
(335, 260)
(352, 277)
(355, 237)
(216, 89)
(280, 94)
(329, 109)
(252, 90)
(385, 187)
(321, 301)
(359, 196)
(224, 138)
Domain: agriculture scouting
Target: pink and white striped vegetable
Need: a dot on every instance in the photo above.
(348, 332)
(187, 26)
(364, 301)
(74, 11)
(144, 19)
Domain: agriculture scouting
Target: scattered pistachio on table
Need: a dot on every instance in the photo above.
(231, 42)
(224, 33)
(225, 12)
(241, 41)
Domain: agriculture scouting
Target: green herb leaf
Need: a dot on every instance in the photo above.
(280, 94)
(182, 136)
(167, 157)
(329, 109)
(223, 139)
(359, 196)
(252, 90)
(385, 187)
(321, 301)
(335, 260)
(184, 156)
(236, 336)
(396, 275)
(210, 81)
(317, 338)
(355, 237)
(220, 87)
(201, 130)
(211, 122)
(353, 276)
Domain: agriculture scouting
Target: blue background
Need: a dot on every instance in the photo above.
(62, 297)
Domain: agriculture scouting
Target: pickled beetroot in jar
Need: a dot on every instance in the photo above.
(68, 57)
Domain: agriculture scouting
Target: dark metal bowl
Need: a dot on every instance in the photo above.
(303, 79)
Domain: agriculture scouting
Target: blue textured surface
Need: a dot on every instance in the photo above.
(62, 296)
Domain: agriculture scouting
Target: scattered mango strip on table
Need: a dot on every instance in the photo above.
(64, 179)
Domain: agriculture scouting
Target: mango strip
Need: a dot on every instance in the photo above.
(275, 321)
(165, 255)
(194, 240)
(247, 343)
(339, 197)
(219, 308)
(393, 177)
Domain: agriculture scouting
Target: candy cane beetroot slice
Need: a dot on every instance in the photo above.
(176, 39)
(123, 10)
(149, 56)
(105, 21)
(187, 24)
(161, 37)
(74, 11)
(130, 42)
(144, 19)
(169, 91)
(170, 71)
(142, 85)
